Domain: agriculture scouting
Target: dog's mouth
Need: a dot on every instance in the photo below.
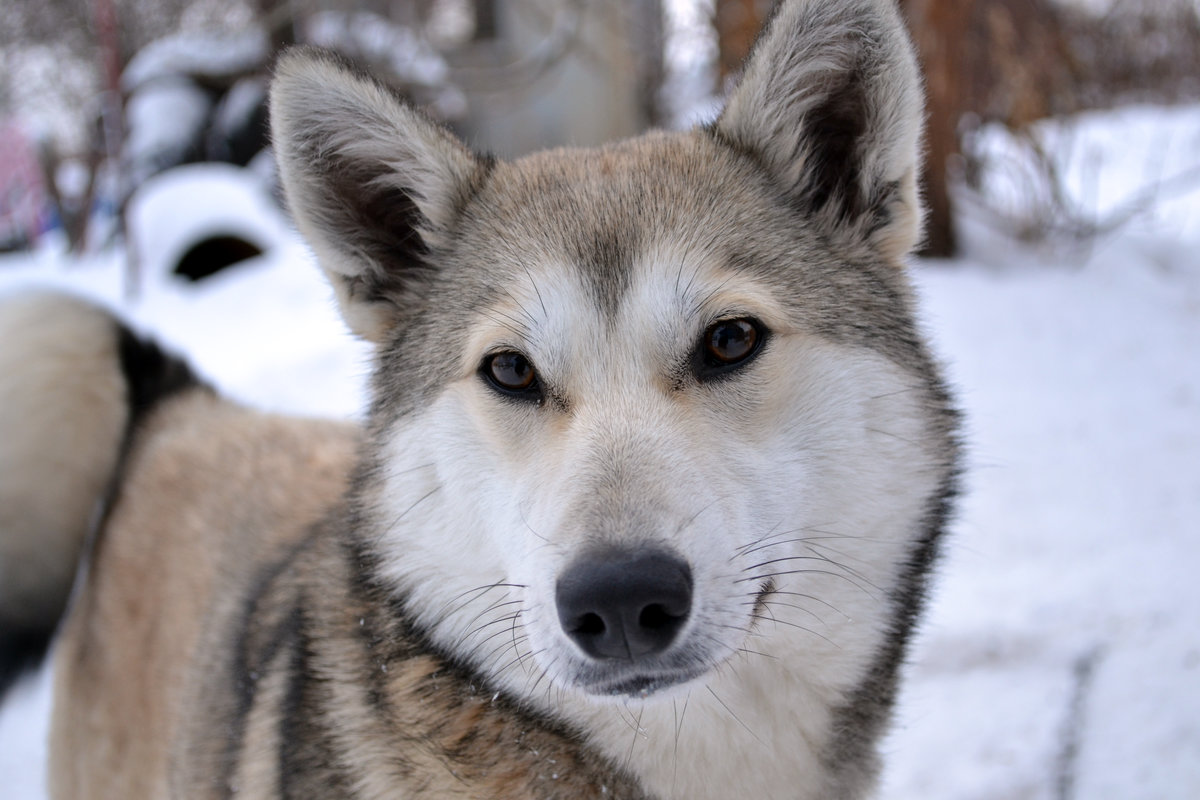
(642, 677)
(641, 685)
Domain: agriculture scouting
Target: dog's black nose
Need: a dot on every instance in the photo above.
(624, 604)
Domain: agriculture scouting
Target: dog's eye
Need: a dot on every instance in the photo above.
(728, 344)
(510, 373)
(731, 340)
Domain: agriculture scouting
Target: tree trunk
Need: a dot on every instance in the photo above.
(738, 23)
(940, 30)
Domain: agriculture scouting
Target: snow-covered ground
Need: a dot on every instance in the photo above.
(1061, 655)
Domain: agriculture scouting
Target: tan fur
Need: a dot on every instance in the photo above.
(432, 737)
(46, 506)
(211, 490)
(185, 538)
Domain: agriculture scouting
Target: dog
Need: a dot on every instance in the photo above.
(644, 505)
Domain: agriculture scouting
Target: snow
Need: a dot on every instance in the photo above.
(1061, 657)
(378, 39)
(166, 121)
(406, 55)
(1061, 654)
(1077, 536)
(1140, 162)
(689, 63)
(216, 56)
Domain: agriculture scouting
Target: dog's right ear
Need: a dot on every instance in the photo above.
(373, 184)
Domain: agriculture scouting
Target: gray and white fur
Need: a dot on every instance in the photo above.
(652, 480)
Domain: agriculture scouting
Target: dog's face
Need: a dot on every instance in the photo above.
(628, 449)
(645, 415)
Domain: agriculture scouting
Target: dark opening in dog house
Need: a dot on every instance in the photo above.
(213, 254)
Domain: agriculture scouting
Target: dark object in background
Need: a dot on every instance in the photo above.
(213, 254)
(238, 127)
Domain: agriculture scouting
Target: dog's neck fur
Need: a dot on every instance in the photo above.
(723, 740)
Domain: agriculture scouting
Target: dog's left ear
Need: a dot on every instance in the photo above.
(373, 184)
(830, 103)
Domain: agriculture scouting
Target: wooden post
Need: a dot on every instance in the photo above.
(940, 30)
(738, 23)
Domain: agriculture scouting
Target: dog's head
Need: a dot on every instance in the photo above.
(651, 409)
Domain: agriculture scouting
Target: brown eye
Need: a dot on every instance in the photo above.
(727, 345)
(510, 373)
(731, 340)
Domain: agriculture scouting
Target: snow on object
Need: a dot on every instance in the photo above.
(175, 210)
(166, 122)
(379, 40)
(238, 130)
(1138, 163)
(264, 168)
(211, 58)
(397, 49)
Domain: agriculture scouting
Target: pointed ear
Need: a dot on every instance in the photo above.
(830, 103)
(373, 185)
